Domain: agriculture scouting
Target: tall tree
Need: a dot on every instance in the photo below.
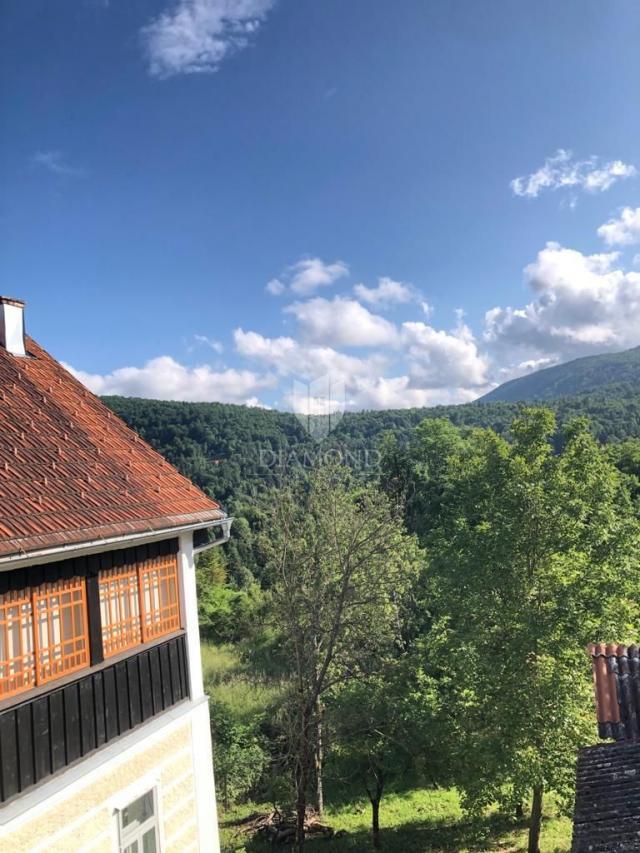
(383, 729)
(341, 563)
(532, 555)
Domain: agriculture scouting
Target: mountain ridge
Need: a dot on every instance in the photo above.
(581, 375)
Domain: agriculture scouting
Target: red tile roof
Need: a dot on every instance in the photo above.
(616, 679)
(71, 471)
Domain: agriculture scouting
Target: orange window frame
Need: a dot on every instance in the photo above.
(122, 630)
(159, 596)
(17, 671)
(58, 607)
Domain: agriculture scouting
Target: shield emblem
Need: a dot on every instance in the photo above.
(319, 405)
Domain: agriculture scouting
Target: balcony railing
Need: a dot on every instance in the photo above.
(43, 735)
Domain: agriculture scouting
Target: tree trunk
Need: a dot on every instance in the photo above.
(302, 779)
(375, 822)
(319, 758)
(536, 821)
(375, 796)
(519, 811)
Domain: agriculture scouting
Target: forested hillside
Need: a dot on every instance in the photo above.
(237, 454)
(234, 450)
(602, 373)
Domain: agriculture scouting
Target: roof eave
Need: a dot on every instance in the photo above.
(107, 543)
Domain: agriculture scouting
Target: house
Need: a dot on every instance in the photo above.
(607, 810)
(105, 738)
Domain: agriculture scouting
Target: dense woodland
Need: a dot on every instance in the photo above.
(404, 607)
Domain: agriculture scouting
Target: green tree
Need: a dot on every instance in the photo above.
(383, 728)
(341, 563)
(225, 613)
(532, 555)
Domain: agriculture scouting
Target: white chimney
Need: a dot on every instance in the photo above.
(12, 325)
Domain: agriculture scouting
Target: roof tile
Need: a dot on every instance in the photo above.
(73, 472)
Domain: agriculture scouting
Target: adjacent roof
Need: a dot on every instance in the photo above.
(71, 471)
(616, 677)
(607, 799)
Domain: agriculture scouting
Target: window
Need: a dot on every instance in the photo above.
(119, 610)
(159, 593)
(17, 661)
(61, 640)
(138, 825)
(43, 634)
(44, 630)
(138, 603)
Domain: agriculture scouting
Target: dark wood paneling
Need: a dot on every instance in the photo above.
(98, 701)
(133, 682)
(174, 666)
(182, 659)
(110, 703)
(122, 697)
(9, 748)
(56, 722)
(145, 685)
(167, 698)
(72, 722)
(156, 679)
(26, 759)
(87, 715)
(95, 627)
(42, 735)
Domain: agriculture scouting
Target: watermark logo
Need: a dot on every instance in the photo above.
(319, 405)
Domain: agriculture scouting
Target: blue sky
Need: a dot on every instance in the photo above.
(209, 199)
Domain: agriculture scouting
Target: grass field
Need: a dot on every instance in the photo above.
(420, 821)
(416, 821)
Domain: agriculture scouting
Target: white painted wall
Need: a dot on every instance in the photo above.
(201, 724)
(12, 327)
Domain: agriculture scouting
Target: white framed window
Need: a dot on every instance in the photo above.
(138, 825)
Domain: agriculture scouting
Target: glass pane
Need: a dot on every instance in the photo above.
(138, 811)
(132, 848)
(149, 841)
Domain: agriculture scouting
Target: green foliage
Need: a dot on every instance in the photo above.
(243, 705)
(225, 612)
(532, 555)
(340, 564)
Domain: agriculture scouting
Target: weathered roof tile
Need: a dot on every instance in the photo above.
(73, 472)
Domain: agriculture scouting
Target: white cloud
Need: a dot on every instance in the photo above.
(561, 171)
(397, 392)
(56, 163)
(275, 287)
(388, 291)
(163, 378)
(341, 322)
(291, 358)
(440, 359)
(623, 231)
(309, 274)
(203, 340)
(195, 36)
(306, 276)
(583, 304)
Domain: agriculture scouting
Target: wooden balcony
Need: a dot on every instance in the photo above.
(41, 735)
